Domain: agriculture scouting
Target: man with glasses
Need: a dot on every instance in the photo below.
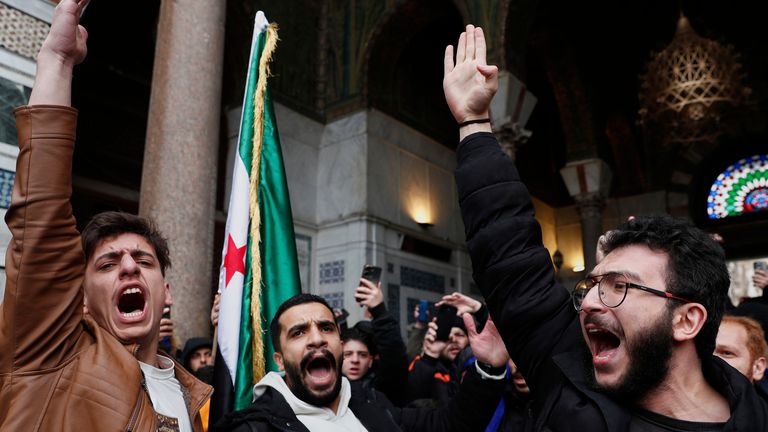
(630, 348)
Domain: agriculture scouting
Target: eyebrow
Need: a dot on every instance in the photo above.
(626, 273)
(305, 325)
(135, 253)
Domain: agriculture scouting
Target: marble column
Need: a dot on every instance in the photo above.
(178, 185)
(588, 182)
(590, 208)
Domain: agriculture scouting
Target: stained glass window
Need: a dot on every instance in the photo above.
(742, 188)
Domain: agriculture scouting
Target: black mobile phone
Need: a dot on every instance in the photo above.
(371, 273)
(761, 265)
(341, 320)
(446, 315)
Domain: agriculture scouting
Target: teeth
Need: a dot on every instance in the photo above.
(131, 291)
(131, 314)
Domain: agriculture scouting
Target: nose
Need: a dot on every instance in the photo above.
(591, 302)
(315, 338)
(205, 360)
(128, 267)
(354, 358)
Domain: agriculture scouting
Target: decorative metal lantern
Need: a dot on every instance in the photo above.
(688, 87)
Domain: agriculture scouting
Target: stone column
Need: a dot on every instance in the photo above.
(178, 185)
(588, 182)
(590, 209)
(510, 108)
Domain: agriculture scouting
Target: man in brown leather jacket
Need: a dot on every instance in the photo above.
(61, 369)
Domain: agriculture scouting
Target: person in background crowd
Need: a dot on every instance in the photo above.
(416, 332)
(61, 368)
(741, 343)
(633, 354)
(312, 395)
(760, 281)
(381, 339)
(197, 353)
(358, 351)
(433, 376)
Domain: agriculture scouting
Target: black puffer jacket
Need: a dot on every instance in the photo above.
(470, 411)
(534, 313)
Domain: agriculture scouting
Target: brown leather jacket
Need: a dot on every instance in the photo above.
(59, 371)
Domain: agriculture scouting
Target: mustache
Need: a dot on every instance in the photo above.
(312, 355)
(603, 322)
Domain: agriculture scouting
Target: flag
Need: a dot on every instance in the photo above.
(259, 268)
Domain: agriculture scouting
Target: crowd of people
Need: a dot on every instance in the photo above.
(649, 341)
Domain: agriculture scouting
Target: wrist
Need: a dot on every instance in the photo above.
(489, 371)
(470, 129)
(377, 310)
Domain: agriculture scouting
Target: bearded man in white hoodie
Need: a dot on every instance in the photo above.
(310, 394)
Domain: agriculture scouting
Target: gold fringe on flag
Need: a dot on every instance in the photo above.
(259, 363)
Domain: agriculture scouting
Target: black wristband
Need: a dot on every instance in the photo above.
(491, 370)
(475, 121)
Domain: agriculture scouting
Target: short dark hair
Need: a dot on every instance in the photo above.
(298, 299)
(366, 338)
(696, 267)
(112, 224)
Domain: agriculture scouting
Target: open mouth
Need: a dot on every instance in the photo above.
(319, 369)
(131, 302)
(603, 344)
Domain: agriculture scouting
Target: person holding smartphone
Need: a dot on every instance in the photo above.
(433, 376)
(389, 370)
(759, 281)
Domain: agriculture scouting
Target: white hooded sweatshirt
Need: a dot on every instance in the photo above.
(315, 418)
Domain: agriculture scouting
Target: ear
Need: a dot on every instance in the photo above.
(687, 321)
(370, 361)
(278, 357)
(168, 297)
(758, 369)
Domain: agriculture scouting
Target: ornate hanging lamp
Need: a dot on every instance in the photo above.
(689, 87)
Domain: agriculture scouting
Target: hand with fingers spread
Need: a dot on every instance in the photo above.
(462, 303)
(368, 294)
(487, 346)
(469, 83)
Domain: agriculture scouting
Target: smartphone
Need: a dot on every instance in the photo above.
(372, 273)
(446, 315)
(341, 320)
(423, 306)
(761, 265)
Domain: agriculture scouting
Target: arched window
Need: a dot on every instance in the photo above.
(740, 189)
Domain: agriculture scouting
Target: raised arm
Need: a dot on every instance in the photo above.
(510, 264)
(42, 308)
(63, 49)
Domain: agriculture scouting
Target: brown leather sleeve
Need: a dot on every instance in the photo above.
(41, 313)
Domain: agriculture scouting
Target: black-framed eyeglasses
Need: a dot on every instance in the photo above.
(613, 288)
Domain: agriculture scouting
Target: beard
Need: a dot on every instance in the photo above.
(649, 354)
(295, 380)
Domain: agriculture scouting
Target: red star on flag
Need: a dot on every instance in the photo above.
(234, 260)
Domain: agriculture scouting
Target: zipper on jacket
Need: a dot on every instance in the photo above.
(137, 408)
(134, 415)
